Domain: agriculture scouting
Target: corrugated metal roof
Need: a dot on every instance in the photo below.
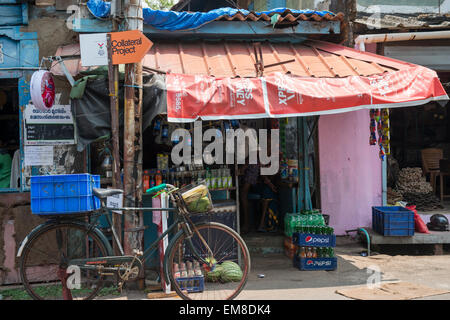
(237, 59)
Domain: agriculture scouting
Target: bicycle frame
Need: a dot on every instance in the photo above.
(180, 220)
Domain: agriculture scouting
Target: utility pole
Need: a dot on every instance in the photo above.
(348, 8)
(113, 80)
(132, 152)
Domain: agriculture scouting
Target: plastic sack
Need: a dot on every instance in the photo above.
(419, 225)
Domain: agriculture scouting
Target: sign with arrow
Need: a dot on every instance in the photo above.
(129, 46)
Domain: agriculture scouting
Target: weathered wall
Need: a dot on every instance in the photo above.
(350, 170)
(16, 220)
(403, 6)
(52, 30)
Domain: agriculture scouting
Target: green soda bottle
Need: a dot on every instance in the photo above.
(330, 252)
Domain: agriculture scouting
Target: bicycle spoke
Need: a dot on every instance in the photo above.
(224, 281)
(44, 261)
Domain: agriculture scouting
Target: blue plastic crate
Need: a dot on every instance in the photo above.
(314, 264)
(314, 240)
(393, 221)
(64, 194)
(192, 284)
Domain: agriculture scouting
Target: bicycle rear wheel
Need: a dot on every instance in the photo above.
(43, 264)
(229, 263)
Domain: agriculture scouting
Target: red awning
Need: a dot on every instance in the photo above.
(324, 79)
(215, 80)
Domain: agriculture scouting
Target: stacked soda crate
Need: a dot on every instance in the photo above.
(314, 243)
(189, 276)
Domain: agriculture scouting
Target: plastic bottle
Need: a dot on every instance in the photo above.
(183, 271)
(309, 253)
(219, 179)
(152, 181)
(165, 133)
(229, 178)
(314, 253)
(208, 178)
(164, 176)
(190, 273)
(302, 252)
(157, 127)
(176, 271)
(158, 178)
(330, 252)
(145, 181)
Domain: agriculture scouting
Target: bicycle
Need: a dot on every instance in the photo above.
(67, 243)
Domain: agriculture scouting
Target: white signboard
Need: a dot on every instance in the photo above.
(115, 201)
(94, 51)
(38, 155)
(50, 127)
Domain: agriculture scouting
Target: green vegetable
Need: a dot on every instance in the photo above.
(199, 205)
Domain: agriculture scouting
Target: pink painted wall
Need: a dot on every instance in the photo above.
(350, 170)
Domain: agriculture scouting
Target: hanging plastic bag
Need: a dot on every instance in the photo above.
(419, 225)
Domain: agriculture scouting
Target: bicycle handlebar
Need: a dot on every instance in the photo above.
(157, 188)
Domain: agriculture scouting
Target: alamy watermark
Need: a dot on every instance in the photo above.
(374, 279)
(74, 280)
(237, 146)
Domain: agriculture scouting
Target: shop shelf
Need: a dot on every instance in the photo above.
(314, 240)
(64, 194)
(393, 221)
(192, 284)
(312, 264)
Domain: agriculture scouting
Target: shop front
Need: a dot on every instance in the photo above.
(318, 94)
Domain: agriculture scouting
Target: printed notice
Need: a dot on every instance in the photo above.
(38, 155)
(115, 201)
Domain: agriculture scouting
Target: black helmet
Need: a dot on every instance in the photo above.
(438, 222)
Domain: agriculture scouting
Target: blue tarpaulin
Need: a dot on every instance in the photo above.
(174, 20)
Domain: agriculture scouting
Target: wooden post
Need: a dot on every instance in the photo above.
(113, 81)
(132, 124)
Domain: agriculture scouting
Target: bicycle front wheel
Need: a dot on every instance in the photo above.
(213, 264)
(44, 263)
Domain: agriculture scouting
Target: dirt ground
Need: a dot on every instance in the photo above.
(282, 281)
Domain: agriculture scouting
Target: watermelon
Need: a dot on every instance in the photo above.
(231, 272)
(214, 275)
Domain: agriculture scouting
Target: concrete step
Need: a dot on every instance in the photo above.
(264, 243)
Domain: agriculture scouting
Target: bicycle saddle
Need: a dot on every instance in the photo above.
(103, 193)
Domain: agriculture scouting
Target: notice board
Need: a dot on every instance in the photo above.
(49, 144)
(51, 127)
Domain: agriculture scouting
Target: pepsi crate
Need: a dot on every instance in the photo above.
(64, 194)
(393, 221)
(314, 240)
(314, 264)
(192, 284)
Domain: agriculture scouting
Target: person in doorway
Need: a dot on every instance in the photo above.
(250, 174)
(269, 209)
(265, 188)
(5, 166)
(250, 178)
